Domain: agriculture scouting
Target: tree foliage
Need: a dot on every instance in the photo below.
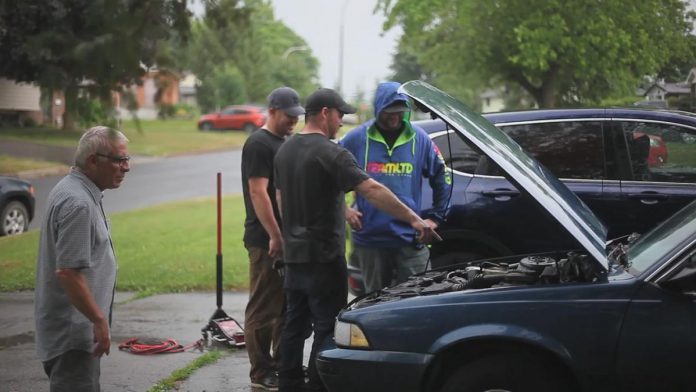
(98, 45)
(559, 51)
(245, 36)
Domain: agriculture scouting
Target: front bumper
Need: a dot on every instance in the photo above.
(365, 371)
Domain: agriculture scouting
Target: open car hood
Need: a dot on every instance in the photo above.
(524, 171)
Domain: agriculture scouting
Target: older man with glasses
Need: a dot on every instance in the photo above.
(76, 265)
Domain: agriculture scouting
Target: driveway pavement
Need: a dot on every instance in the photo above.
(177, 316)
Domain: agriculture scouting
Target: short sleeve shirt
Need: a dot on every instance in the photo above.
(74, 234)
(257, 161)
(313, 175)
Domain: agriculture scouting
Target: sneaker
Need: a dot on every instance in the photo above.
(269, 383)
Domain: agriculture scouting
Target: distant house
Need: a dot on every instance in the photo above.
(679, 92)
(187, 89)
(497, 99)
(156, 88)
(492, 100)
(662, 91)
(20, 103)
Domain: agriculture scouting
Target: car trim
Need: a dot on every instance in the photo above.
(632, 182)
(666, 268)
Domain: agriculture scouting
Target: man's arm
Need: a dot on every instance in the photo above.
(77, 290)
(383, 199)
(264, 211)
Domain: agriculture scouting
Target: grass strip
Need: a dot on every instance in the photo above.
(171, 382)
(14, 165)
(167, 248)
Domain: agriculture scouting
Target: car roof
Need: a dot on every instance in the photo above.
(671, 116)
(254, 108)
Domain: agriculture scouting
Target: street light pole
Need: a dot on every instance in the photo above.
(293, 49)
(340, 48)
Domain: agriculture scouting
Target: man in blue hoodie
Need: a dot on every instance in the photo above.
(399, 155)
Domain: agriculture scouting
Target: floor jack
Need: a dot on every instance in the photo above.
(222, 328)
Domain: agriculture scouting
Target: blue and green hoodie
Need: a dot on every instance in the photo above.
(401, 169)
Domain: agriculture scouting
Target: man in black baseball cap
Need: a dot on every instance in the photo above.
(264, 315)
(327, 98)
(325, 109)
(287, 100)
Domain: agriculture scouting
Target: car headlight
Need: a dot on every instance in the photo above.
(350, 335)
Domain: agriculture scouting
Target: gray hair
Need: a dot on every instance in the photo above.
(97, 139)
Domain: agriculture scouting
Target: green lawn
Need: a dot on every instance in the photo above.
(14, 165)
(166, 248)
(158, 137)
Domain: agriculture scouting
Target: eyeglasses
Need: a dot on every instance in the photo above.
(119, 160)
(340, 113)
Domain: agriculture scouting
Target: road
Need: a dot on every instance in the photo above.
(157, 180)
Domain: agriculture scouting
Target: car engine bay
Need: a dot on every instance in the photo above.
(491, 273)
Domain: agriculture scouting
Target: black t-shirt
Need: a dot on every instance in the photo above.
(257, 161)
(313, 175)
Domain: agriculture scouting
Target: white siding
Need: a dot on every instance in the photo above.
(22, 96)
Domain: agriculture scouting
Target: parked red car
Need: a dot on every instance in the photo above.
(242, 117)
(657, 155)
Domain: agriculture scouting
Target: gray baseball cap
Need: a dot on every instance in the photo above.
(287, 100)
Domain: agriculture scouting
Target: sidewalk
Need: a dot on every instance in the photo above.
(176, 316)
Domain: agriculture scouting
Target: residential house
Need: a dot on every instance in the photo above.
(157, 88)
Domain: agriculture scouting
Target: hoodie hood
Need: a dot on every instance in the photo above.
(387, 93)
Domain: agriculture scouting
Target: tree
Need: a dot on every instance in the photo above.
(246, 36)
(560, 52)
(225, 86)
(405, 64)
(98, 45)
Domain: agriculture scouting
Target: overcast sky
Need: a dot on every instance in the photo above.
(367, 53)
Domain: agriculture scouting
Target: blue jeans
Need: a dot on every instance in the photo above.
(314, 292)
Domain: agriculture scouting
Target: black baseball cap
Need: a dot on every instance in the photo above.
(287, 100)
(327, 98)
(397, 107)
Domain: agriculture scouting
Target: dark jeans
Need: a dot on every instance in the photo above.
(73, 371)
(264, 315)
(314, 293)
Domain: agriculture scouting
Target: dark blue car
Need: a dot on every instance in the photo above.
(605, 316)
(632, 167)
(16, 205)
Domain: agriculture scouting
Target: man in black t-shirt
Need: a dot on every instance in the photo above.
(264, 314)
(312, 177)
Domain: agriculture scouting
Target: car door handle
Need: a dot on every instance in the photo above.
(648, 197)
(501, 194)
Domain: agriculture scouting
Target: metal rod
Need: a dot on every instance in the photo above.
(218, 258)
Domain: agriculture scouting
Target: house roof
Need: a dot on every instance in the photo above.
(670, 88)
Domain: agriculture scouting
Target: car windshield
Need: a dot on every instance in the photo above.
(664, 240)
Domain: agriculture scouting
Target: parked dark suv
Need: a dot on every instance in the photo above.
(632, 167)
(16, 205)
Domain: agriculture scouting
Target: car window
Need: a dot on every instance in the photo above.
(573, 149)
(462, 157)
(567, 149)
(661, 152)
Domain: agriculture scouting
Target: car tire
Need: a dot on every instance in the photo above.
(206, 126)
(249, 128)
(506, 372)
(15, 219)
(456, 257)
